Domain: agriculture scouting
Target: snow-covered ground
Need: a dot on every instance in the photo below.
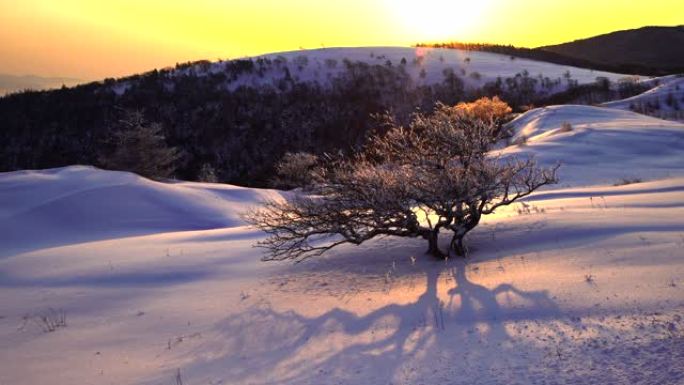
(664, 100)
(434, 61)
(597, 145)
(576, 285)
(423, 65)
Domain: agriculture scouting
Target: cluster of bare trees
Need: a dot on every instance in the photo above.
(434, 175)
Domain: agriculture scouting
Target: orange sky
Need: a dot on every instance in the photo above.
(92, 39)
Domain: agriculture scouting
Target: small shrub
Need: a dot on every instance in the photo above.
(301, 62)
(207, 174)
(331, 63)
(51, 320)
(626, 181)
(294, 170)
(670, 100)
(603, 83)
(565, 127)
(140, 146)
(521, 141)
(179, 378)
(492, 111)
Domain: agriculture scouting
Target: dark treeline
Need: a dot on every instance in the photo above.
(602, 90)
(241, 133)
(232, 131)
(540, 54)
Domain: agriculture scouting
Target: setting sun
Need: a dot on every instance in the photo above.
(433, 20)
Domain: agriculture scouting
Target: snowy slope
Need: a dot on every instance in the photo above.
(602, 146)
(475, 68)
(580, 286)
(435, 60)
(664, 100)
(576, 285)
(65, 205)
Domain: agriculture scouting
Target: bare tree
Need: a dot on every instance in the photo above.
(207, 174)
(294, 170)
(139, 146)
(436, 174)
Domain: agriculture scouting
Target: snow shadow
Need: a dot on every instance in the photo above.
(448, 323)
(117, 279)
(601, 192)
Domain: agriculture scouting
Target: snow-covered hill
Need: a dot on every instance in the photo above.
(77, 204)
(424, 65)
(665, 100)
(598, 145)
(160, 283)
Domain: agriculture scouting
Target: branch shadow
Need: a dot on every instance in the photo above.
(453, 323)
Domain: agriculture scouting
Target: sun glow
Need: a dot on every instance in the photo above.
(94, 39)
(432, 20)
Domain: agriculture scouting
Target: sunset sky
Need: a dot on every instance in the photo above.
(91, 39)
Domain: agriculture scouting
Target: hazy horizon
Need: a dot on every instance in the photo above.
(93, 40)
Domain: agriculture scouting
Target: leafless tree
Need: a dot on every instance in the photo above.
(140, 146)
(294, 170)
(436, 174)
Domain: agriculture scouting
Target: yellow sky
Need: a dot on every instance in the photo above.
(92, 39)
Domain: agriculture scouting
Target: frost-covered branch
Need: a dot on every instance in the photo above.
(436, 174)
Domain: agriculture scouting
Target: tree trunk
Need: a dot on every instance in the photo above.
(458, 240)
(433, 245)
(458, 246)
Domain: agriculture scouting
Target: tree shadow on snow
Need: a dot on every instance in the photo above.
(452, 327)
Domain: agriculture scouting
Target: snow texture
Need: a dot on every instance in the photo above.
(424, 65)
(665, 100)
(581, 283)
(598, 145)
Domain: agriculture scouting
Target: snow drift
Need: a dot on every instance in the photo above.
(665, 100)
(78, 204)
(599, 145)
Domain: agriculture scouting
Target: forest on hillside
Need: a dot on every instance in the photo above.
(237, 135)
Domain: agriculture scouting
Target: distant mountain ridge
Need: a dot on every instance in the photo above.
(648, 51)
(14, 83)
(648, 47)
